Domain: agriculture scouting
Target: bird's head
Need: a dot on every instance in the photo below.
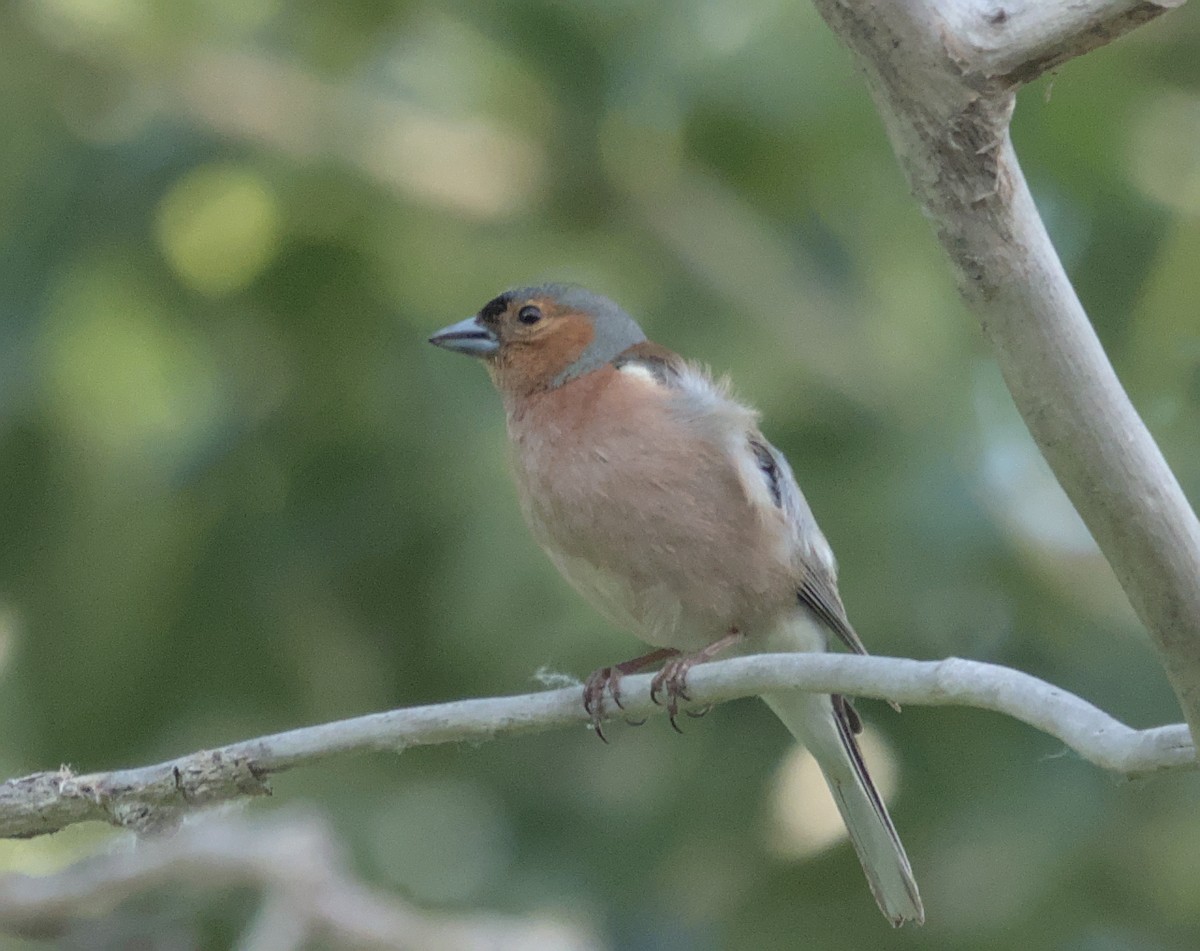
(538, 338)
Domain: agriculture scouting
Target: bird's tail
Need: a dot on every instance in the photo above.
(824, 725)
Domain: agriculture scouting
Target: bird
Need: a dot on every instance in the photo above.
(653, 491)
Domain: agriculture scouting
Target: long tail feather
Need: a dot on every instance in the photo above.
(814, 720)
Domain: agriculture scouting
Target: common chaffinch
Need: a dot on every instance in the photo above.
(655, 494)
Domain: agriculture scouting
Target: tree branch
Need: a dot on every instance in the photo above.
(155, 797)
(1015, 42)
(943, 75)
(307, 893)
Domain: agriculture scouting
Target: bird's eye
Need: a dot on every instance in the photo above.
(529, 314)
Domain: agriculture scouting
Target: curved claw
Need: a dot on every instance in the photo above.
(668, 687)
(697, 714)
(673, 712)
(673, 677)
(593, 698)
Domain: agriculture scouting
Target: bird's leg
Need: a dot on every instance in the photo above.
(609, 678)
(672, 679)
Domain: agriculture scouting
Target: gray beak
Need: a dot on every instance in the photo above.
(467, 336)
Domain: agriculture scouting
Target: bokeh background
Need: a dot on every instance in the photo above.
(239, 493)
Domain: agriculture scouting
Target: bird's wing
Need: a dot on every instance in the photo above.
(817, 589)
(707, 403)
(818, 594)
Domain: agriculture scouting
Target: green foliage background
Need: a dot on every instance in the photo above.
(239, 493)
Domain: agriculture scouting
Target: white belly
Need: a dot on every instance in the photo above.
(648, 611)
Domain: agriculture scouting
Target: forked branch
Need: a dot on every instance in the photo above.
(944, 75)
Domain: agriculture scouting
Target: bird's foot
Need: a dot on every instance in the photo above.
(671, 681)
(608, 679)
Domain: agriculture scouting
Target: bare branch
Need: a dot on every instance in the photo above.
(155, 797)
(944, 87)
(307, 893)
(1015, 41)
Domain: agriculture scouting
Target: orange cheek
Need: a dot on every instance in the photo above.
(532, 364)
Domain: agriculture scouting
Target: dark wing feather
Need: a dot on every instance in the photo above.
(818, 590)
(818, 594)
(844, 710)
(769, 467)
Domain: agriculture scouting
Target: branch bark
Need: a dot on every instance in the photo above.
(944, 75)
(153, 798)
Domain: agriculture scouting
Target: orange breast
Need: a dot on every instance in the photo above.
(613, 481)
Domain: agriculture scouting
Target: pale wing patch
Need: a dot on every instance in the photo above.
(639, 371)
